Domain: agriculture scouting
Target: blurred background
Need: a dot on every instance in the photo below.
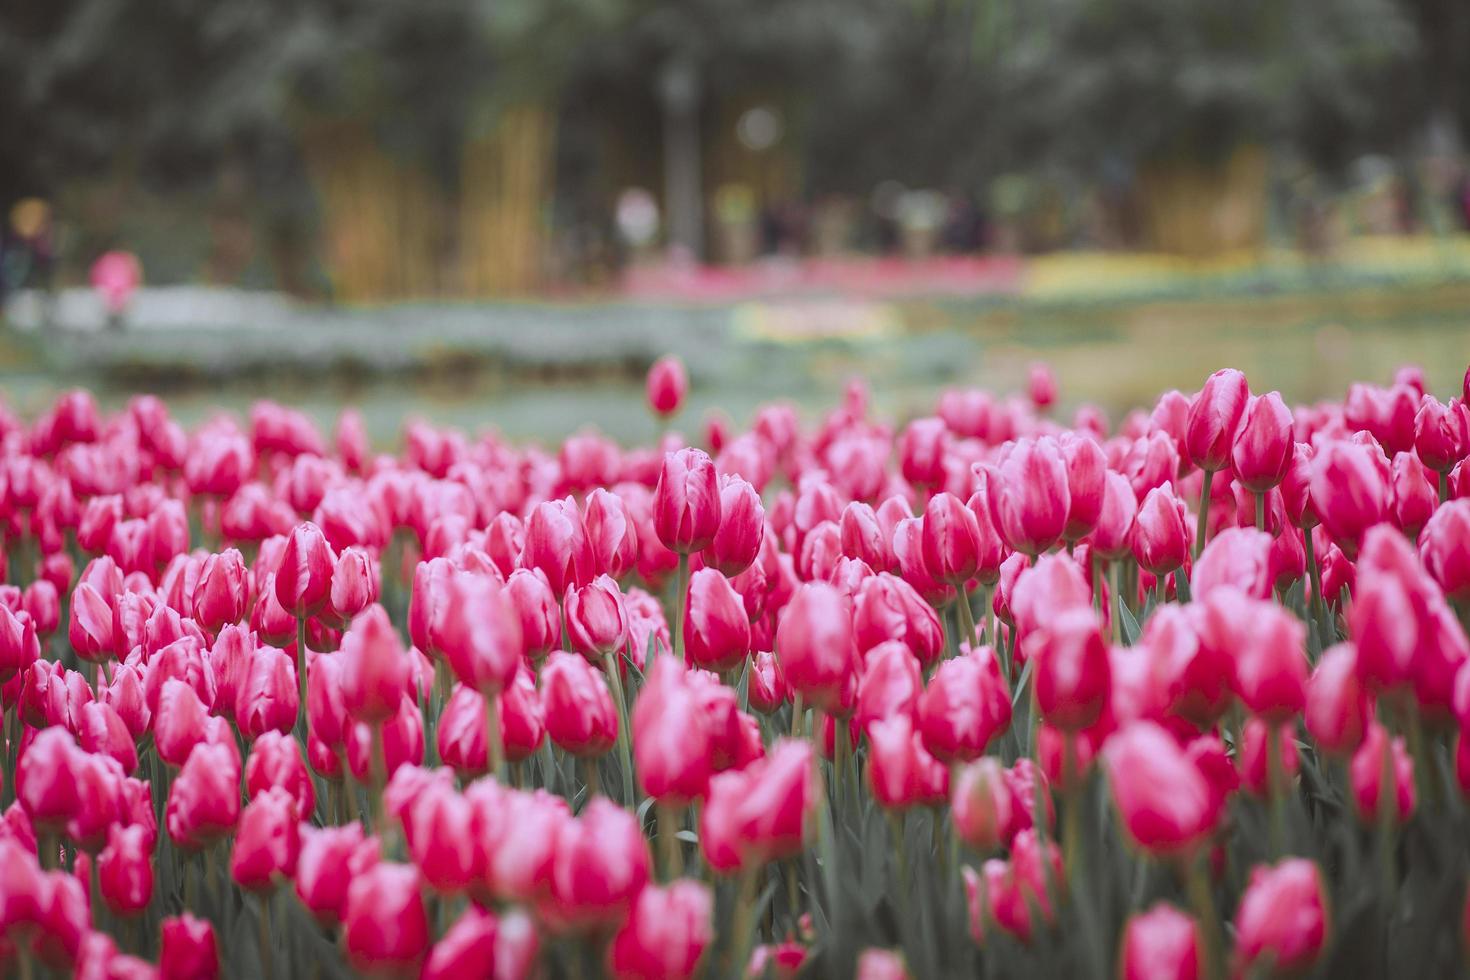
(497, 213)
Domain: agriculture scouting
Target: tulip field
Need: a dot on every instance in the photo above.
(992, 692)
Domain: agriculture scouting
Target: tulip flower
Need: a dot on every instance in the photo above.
(886, 608)
(187, 949)
(221, 592)
(42, 602)
(402, 743)
(90, 624)
(716, 630)
(981, 804)
(180, 722)
(267, 843)
(922, 447)
(596, 618)
(1267, 758)
(1164, 802)
(742, 527)
(965, 705)
(671, 736)
(268, 699)
(814, 642)
(1444, 547)
(1338, 710)
(686, 502)
(1350, 491)
(536, 606)
(204, 800)
(125, 869)
(304, 578)
(329, 860)
(102, 731)
(1270, 660)
(1281, 922)
(666, 934)
(1368, 770)
(374, 668)
(1160, 944)
(950, 539)
(556, 543)
(1237, 557)
(1161, 532)
(1214, 419)
(1028, 495)
(481, 633)
(901, 772)
(666, 386)
(601, 865)
(767, 687)
(385, 926)
(1087, 469)
(580, 716)
(1262, 451)
(45, 780)
(354, 586)
(1071, 679)
(275, 763)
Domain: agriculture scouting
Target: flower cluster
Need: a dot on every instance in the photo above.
(984, 691)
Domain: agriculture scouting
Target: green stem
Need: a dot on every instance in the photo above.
(798, 709)
(1276, 790)
(494, 740)
(1444, 486)
(1260, 511)
(1314, 580)
(1202, 522)
(1203, 900)
(1117, 572)
(967, 618)
(301, 722)
(680, 598)
(267, 960)
(377, 776)
(610, 664)
(671, 855)
(591, 776)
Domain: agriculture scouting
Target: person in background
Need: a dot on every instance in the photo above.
(116, 275)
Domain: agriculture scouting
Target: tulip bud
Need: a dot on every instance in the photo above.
(901, 772)
(275, 763)
(125, 869)
(667, 933)
(480, 635)
(886, 608)
(1281, 922)
(1444, 547)
(403, 743)
(187, 949)
(767, 687)
(204, 800)
(1161, 944)
(1214, 418)
(1028, 495)
(686, 502)
(981, 804)
(1413, 492)
(1161, 532)
(671, 736)
(1087, 468)
(580, 717)
(1253, 759)
(90, 626)
(268, 699)
(1262, 451)
(42, 601)
(1338, 710)
(666, 386)
(815, 644)
(180, 722)
(742, 527)
(221, 592)
(597, 618)
(19, 645)
(601, 865)
(1367, 770)
(374, 668)
(965, 705)
(1072, 676)
(1350, 492)
(102, 731)
(385, 925)
(304, 576)
(1163, 800)
(716, 631)
(1270, 662)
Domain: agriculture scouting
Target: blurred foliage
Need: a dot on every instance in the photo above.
(932, 92)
